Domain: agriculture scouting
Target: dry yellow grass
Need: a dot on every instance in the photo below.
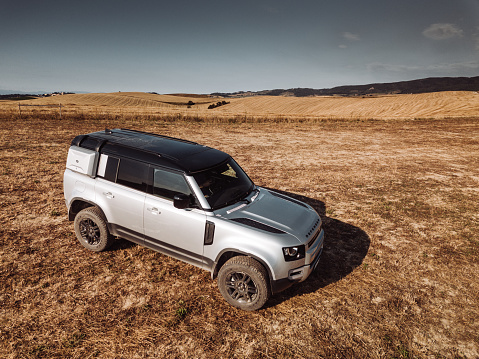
(429, 105)
(399, 277)
(125, 99)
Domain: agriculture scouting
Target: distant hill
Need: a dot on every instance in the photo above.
(431, 84)
(443, 104)
(18, 97)
(21, 93)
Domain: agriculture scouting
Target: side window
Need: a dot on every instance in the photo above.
(133, 174)
(168, 184)
(108, 167)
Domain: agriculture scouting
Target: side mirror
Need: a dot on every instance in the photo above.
(181, 201)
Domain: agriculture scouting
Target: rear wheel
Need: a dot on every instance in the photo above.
(91, 229)
(243, 282)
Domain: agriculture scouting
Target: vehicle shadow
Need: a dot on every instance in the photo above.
(121, 243)
(345, 247)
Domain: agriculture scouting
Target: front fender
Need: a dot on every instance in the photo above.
(231, 237)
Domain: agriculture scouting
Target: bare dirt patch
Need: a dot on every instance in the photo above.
(399, 277)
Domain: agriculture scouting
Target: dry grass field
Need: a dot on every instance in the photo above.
(399, 277)
(427, 105)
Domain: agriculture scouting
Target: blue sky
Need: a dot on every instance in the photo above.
(226, 46)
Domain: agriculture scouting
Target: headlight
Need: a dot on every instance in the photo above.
(293, 253)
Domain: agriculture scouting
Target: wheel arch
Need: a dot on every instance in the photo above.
(229, 253)
(78, 204)
(91, 228)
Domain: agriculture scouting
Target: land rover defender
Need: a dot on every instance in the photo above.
(193, 203)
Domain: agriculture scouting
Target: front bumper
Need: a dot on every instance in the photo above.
(313, 253)
(300, 274)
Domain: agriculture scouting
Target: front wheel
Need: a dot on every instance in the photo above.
(243, 282)
(91, 229)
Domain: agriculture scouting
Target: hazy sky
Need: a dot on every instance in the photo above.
(207, 46)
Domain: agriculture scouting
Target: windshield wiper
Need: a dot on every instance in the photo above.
(255, 189)
(247, 193)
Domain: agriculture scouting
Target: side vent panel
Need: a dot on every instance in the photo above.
(209, 233)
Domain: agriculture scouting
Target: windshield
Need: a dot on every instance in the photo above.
(224, 185)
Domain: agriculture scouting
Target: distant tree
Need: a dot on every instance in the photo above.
(218, 104)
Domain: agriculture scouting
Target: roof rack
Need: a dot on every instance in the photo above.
(161, 136)
(155, 149)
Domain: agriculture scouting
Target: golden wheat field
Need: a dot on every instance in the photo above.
(429, 105)
(398, 278)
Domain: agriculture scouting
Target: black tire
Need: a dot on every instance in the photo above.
(243, 282)
(91, 229)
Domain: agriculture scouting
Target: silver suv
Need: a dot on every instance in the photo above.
(193, 203)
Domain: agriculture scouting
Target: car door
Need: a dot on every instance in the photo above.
(176, 232)
(120, 192)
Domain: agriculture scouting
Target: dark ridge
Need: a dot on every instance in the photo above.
(431, 84)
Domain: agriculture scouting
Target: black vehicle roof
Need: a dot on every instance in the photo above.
(156, 149)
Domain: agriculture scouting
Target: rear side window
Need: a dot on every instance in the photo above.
(108, 167)
(132, 174)
(168, 184)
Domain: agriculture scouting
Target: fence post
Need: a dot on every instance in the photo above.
(60, 111)
(20, 110)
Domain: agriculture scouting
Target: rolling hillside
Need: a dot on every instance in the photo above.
(450, 104)
(430, 105)
(122, 99)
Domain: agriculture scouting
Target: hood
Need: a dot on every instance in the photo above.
(278, 211)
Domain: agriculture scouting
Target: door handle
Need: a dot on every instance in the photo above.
(154, 210)
(109, 195)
